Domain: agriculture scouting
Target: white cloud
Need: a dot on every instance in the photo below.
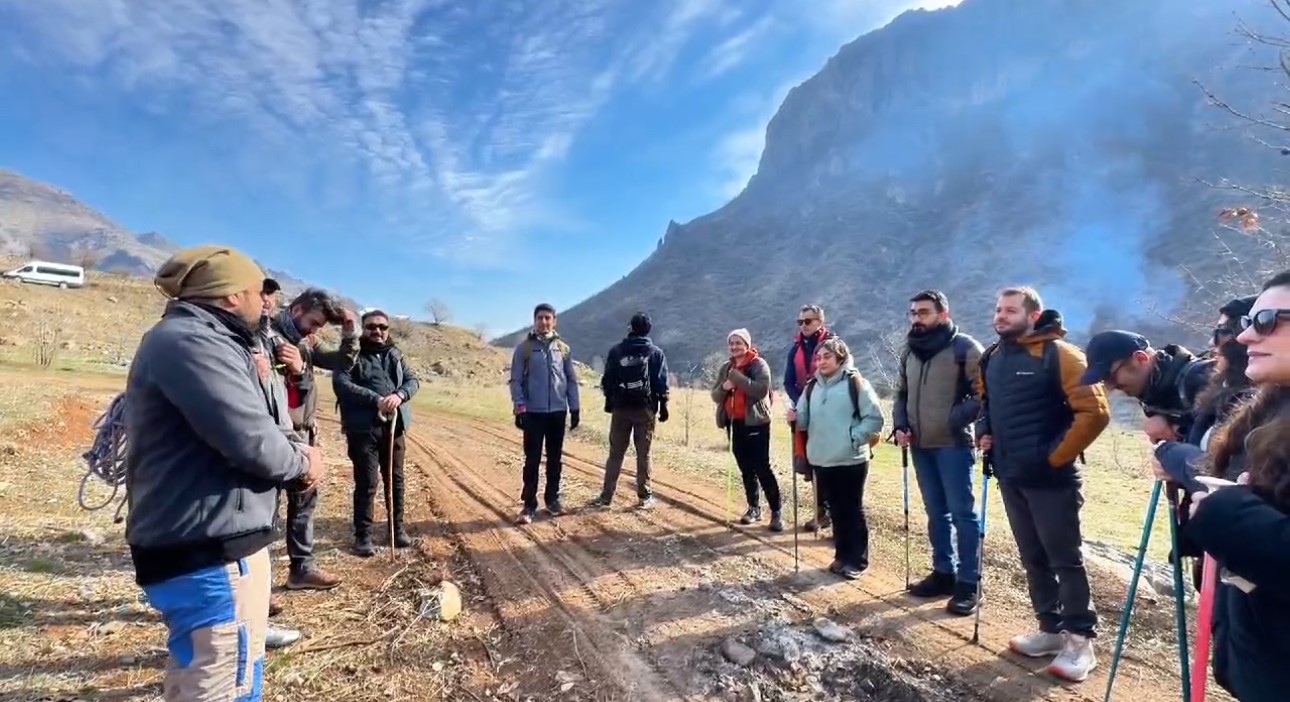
(730, 53)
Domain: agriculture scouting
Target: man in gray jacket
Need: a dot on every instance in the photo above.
(205, 465)
(544, 391)
(291, 333)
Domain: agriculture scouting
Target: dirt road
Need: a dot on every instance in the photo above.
(637, 603)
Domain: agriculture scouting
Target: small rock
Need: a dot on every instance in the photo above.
(436, 666)
(108, 628)
(128, 660)
(737, 653)
(566, 687)
(831, 631)
(112, 299)
(91, 537)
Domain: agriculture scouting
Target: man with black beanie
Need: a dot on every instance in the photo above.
(635, 387)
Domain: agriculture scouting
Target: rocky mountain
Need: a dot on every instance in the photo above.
(1056, 143)
(38, 220)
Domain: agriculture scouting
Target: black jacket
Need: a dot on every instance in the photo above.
(378, 372)
(1178, 378)
(1250, 537)
(635, 346)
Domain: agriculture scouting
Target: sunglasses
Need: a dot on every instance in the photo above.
(1222, 335)
(805, 321)
(1264, 322)
(377, 327)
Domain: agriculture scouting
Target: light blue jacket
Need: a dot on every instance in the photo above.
(834, 435)
(543, 378)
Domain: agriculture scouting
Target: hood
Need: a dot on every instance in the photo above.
(842, 371)
(635, 344)
(1047, 328)
(222, 321)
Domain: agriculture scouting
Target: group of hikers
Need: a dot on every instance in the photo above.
(221, 424)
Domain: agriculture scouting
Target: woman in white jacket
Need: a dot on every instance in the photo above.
(840, 415)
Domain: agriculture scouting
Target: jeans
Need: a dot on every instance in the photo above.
(945, 480)
(369, 451)
(543, 429)
(216, 619)
(1045, 523)
(635, 424)
(751, 446)
(843, 487)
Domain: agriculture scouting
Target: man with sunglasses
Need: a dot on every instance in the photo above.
(374, 397)
(1165, 381)
(801, 368)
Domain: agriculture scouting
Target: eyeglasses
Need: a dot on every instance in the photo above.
(922, 313)
(807, 321)
(377, 327)
(1264, 322)
(1223, 335)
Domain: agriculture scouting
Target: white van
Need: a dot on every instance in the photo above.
(62, 275)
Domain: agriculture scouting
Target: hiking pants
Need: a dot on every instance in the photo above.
(844, 486)
(751, 446)
(369, 451)
(1045, 523)
(301, 505)
(637, 425)
(543, 430)
(945, 480)
(216, 619)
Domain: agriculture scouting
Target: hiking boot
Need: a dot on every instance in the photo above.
(555, 509)
(936, 584)
(818, 524)
(275, 607)
(526, 516)
(850, 572)
(280, 637)
(402, 540)
(836, 567)
(776, 521)
(752, 516)
(1075, 660)
(963, 602)
(646, 502)
(600, 502)
(1037, 645)
(363, 547)
(312, 579)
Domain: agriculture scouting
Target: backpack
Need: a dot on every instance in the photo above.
(961, 343)
(632, 375)
(530, 346)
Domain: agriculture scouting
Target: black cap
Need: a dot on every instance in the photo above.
(270, 286)
(1240, 307)
(1106, 349)
(641, 323)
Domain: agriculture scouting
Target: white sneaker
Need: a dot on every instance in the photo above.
(1037, 645)
(1075, 660)
(280, 637)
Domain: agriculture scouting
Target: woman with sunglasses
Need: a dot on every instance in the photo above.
(1246, 528)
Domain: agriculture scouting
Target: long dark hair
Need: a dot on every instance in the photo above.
(1225, 387)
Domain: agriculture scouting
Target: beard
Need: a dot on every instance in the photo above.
(1014, 331)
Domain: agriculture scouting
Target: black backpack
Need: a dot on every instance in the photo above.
(633, 386)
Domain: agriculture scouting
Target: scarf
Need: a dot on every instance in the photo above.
(924, 345)
(288, 325)
(737, 399)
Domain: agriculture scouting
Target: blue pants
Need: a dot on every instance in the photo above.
(216, 619)
(945, 481)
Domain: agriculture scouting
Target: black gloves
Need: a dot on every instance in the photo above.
(987, 465)
(662, 411)
(575, 417)
(609, 407)
(519, 421)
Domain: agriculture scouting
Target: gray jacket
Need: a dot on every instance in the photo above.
(206, 457)
(543, 378)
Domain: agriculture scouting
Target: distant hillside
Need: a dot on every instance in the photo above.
(100, 325)
(38, 220)
(1056, 143)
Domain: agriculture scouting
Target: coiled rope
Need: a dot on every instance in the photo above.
(106, 458)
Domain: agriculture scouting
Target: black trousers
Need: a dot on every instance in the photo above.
(543, 430)
(843, 488)
(751, 446)
(370, 453)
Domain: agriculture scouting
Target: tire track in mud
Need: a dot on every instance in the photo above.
(542, 588)
(925, 631)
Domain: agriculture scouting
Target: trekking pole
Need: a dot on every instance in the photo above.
(815, 503)
(1204, 622)
(389, 484)
(904, 467)
(1180, 595)
(1133, 588)
(730, 451)
(792, 466)
(987, 469)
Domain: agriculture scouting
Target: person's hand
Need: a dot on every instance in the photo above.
(389, 403)
(727, 385)
(1159, 470)
(350, 325)
(575, 418)
(316, 468)
(262, 365)
(662, 411)
(609, 406)
(289, 356)
(1158, 428)
(791, 414)
(985, 442)
(1196, 498)
(902, 438)
(1243, 478)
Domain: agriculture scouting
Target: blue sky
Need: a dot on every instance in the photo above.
(488, 153)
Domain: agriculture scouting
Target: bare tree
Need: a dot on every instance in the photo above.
(438, 311)
(48, 340)
(401, 329)
(481, 331)
(884, 355)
